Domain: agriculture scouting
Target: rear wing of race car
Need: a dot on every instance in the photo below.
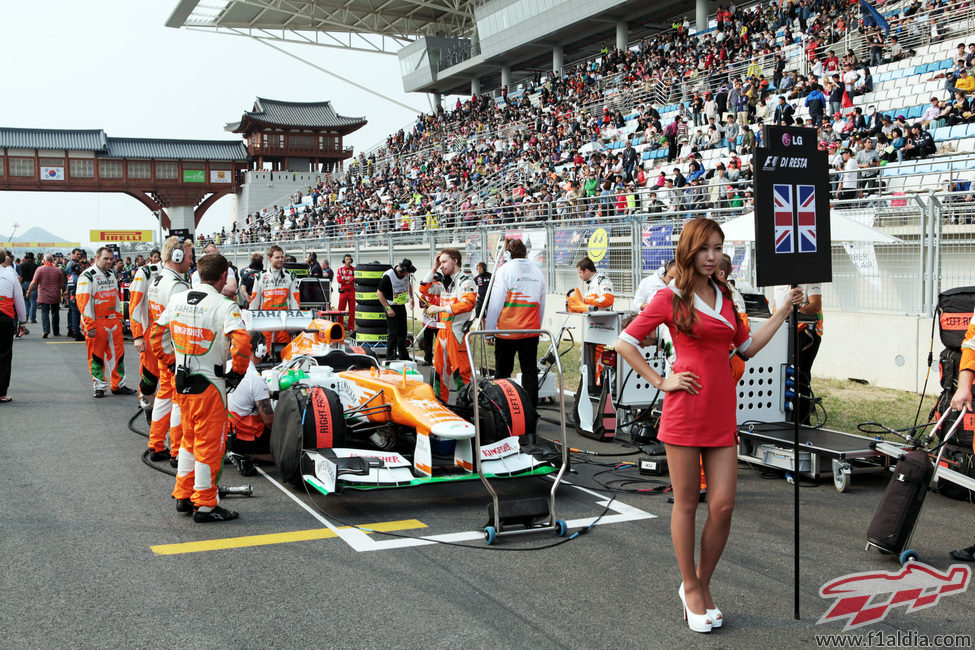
(282, 320)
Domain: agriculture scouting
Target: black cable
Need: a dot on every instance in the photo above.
(145, 454)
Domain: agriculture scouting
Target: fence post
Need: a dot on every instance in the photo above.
(636, 252)
(923, 253)
(389, 245)
(932, 251)
(937, 213)
(550, 256)
(355, 247)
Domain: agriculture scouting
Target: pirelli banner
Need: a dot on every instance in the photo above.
(792, 235)
(120, 235)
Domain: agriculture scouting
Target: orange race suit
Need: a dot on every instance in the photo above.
(101, 311)
(198, 331)
(452, 368)
(346, 279)
(165, 413)
(598, 292)
(139, 322)
(275, 289)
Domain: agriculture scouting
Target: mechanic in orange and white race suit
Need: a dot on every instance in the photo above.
(517, 302)
(274, 289)
(345, 276)
(101, 318)
(194, 336)
(963, 399)
(597, 290)
(452, 368)
(431, 286)
(139, 323)
(250, 415)
(171, 279)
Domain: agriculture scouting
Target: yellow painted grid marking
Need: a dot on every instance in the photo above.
(276, 538)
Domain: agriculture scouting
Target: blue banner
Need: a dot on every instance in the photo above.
(873, 18)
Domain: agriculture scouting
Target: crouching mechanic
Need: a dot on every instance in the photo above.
(597, 289)
(250, 415)
(171, 279)
(101, 317)
(194, 336)
(452, 368)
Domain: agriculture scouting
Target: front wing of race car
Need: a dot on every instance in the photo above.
(333, 470)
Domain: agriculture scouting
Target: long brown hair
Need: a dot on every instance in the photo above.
(693, 238)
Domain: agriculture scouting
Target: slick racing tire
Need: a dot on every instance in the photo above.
(370, 316)
(365, 296)
(370, 336)
(369, 275)
(324, 427)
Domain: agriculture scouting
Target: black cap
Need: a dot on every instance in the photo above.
(407, 266)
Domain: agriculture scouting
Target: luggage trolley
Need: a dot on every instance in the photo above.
(896, 517)
(533, 515)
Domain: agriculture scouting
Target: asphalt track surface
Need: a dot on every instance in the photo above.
(81, 515)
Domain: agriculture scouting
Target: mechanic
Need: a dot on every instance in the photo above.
(274, 289)
(963, 399)
(597, 291)
(247, 276)
(138, 322)
(431, 286)
(452, 368)
(170, 280)
(250, 414)
(346, 279)
(314, 268)
(13, 312)
(517, 302)
(233, 276)
(195, 335)
(650, 285)
(810, 338)
(101, 315)
(395, 292)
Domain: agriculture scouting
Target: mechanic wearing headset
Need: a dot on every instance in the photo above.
(198, 331)
(139, 323)
(597, 289)
(250, 414)
(517, 302)
(452, 368)
(395, 292)
(170, 280)
(653, 283)
(101, 317)
(963, 398)
(345, 276)
(275, 288)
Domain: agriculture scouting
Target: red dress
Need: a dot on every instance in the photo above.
(707, 419)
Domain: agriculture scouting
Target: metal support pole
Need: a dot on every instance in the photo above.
(924, 252)
(550, 257)
(929, 280)
(794, 324)
(636, 251)
(937, 211)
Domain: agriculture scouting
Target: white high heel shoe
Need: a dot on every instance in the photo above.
(696, 622)
(717, 618)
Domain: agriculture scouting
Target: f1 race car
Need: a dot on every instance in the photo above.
(343, 421)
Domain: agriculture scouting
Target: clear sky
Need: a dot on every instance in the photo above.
(113, 65)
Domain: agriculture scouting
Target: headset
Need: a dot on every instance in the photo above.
(258, 345)
(177, 255)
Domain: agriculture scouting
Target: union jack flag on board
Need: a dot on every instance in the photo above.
(806, 217)
(784, 222)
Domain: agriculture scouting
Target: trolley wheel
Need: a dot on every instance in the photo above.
(841, 475)
(561, 528)
(908, 556)
(490, 534)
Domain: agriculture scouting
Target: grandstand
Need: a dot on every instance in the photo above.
(551, 158)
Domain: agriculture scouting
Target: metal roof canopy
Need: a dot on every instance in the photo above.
(375, 26)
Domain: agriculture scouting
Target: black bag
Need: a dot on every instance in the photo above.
(955, 307)
(901, 502)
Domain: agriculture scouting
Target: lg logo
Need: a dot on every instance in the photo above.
(788, 140)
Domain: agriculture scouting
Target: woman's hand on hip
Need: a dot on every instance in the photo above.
(687, 381)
